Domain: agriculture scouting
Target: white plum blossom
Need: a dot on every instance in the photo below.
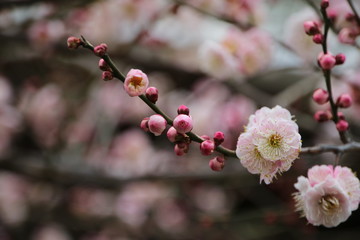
(270, 143)
(328, 195)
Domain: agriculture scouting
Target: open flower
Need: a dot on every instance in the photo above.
(270, 143)
(136, 82)
(328, 195)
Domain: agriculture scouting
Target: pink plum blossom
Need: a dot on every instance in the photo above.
(136, 82)
(183, 123)
(270, 143)
(328, 195)
(157, 124)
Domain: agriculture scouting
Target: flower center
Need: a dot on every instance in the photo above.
(329, 203)
(136, 81)
(275, 140)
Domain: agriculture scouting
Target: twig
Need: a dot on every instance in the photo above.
(357, 18)
(349, 147)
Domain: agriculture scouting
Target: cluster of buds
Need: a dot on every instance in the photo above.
(348, 34)
(321, 96)
(328, 61)
(312, 28)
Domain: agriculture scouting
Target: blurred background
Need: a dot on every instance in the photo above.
(74, 163)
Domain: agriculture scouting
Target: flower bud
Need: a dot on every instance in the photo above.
(171, 134)
(217, 163)
(207, 147)
(311, 28)
(341, 115)
(347, 35)
(350, 17)
(181, 148)
(183, 123)
(183, 110)
(342, 125)
(103, 65)
(152, 94)
(322, 116)
(107, 75)
(144, 124)
(344, 100)
(100, 50)
(318, 38)
(73, 42)
(205, 137)
(326, 61)
(136, 83)
(321, 96)
(157, 124)
(219, 138)
(340, 59)
(324, 4)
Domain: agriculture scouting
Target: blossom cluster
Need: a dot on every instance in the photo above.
(328, 195)
(270, 143)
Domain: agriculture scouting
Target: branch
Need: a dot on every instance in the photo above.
(357, 18)
(349, 147)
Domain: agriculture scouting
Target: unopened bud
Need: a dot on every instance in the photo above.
(107, 75)
(322, 116)
(157, 124)
(144, 124)
(324, 4)
(171, 134)
(183, 110)
(205, 137)
(219, 138)
(100, 50)
(207, 147)
(217, 163)
(311, 28)
(318, 38)
(181, 149)
(73, 42)
(341, 115)
(326, 61)
(152, 94)
(342, 125)
(340, 59)
(183, 123)
(103, 65)
(321, 96)
(344, 100)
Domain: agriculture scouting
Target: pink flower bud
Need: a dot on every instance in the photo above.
(321, 96)
(136, 82)
(206, 137)
(342, 125)
(347, 35)
(350, 17)
(219, 138)
(217, 163)
(340, 59)
(171, 134)
(344, 100)
(332, 15)
(183, 123)
(341, 115)
(157, 124)
(103, 65)
(311, 28)
(183, 110)
(322, 116)
(152, 94)
(207, 147)
(100, 50)
(326, 61)
(107, 75)
(144, 124)
(73, 42)
(318, 38)
(181, 149)
(324, 4)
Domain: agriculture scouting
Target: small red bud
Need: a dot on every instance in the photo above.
(326, 61)
(320, 96)
(181, 148)
(207, 147)
(342, 125)
(350, 17)
(340, 59)
(152, 94)
(318, 38)
(103, 65)
(219, 138)
(183, 110)
(324, 4)
(322, 116)
(344, 100)
(100, 50)
(311, 28)
(341, 115)
(217, 163)
(107, 75)
(144, 124)
(332, 15)
(73, 42)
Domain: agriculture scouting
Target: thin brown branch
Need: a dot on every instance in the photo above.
(349, 147)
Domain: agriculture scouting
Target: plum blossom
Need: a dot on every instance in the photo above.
(328, 195)
(270, 143)
(136, 82)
